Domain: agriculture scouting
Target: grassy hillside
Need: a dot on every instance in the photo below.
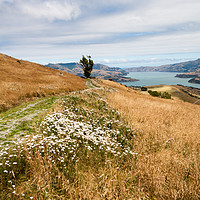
(23, 120)
(168, 142)
(21, 80)
(106, 142)
(178, 92)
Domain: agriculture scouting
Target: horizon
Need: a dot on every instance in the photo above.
(170, 61)
(115, 33)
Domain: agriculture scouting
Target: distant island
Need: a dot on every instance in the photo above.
(99, 71)
(189, 69)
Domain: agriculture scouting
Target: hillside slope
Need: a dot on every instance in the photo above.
(20, 80)
(99, 71)
(167, 140)
(106, 142)
(183, 67)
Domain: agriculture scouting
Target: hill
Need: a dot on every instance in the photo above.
(106, 142)
(190, 69)
(177, 92)
(183, 67)
(21, 80)
(99, 71)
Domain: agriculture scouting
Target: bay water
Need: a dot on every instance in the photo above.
(158, 78)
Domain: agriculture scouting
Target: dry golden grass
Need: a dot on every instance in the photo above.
(177, 92)
(167, 140)
(21, 80)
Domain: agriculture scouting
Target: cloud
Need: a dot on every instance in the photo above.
(47, 29)
(51, 10)
(145, 61)
(149, 16)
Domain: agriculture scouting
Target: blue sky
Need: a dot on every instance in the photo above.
(123, 33)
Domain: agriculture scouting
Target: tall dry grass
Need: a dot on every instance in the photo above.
(167, 140)
(22, 80)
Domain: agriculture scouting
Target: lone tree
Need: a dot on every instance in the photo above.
(87, 65)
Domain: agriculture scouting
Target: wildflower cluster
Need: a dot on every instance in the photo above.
(86, 128)
(71, 129)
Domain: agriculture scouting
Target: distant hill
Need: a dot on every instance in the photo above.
(99, 71)
(21, 80)
(183, 67)
(190, 69)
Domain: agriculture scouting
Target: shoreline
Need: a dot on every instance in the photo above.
(166, 78)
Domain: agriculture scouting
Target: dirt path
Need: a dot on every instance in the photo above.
(92, 84)
(21, 120)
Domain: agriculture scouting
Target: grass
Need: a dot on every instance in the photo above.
(109, 142)
(24, 81)
(167, 141)
(177, 92)
(161, 88)
(79, 144)
(23, 119)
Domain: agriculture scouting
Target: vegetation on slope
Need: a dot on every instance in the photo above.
(177, 92)
(107, 142)
(23, 120)
(22, 80)
(168, 142)
(164, 95)
(73, 155)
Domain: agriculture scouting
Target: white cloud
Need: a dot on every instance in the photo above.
(121, 60)
(41, 9)
(154, 15)
(107, 61)
(106, 28)
(51, 10)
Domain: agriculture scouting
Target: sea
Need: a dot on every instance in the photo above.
(158, 78)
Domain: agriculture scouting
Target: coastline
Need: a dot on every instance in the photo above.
(158, 78)
(194, 77)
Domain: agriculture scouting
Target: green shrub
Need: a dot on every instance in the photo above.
(154, 93)
(143, 89)
(164, 95)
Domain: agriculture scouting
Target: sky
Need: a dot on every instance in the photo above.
(121, 33)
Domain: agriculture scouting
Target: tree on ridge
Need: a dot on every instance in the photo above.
(87, 66)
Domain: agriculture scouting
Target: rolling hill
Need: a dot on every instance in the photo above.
(99, 71)
(108, 142)
(21, 80)
(183, 67)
